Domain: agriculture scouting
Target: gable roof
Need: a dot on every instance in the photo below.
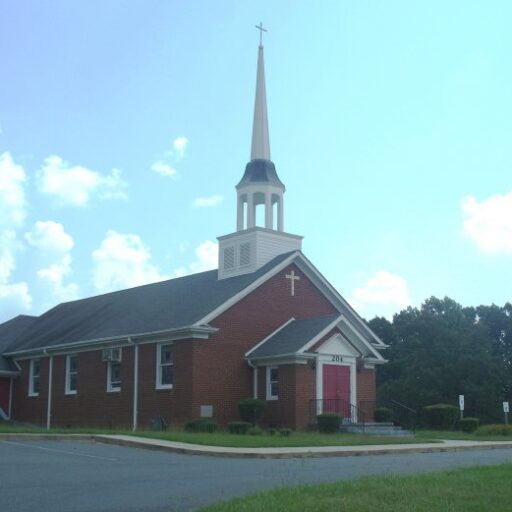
(291, 337)
(9, 331)
(152, 308)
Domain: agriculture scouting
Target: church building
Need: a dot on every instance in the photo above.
(265, 324)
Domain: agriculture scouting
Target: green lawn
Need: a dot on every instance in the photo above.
(456, 434)
(296, 439)
(466, 490)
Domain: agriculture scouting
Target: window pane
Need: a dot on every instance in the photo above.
(166, 355)
(35, 385)
(115, 375)
(167, 375)
(274, 389)
(72, 364)
(35, 368)
(72, 382)
(274, 374)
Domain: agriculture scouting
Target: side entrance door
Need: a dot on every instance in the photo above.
(336, 389)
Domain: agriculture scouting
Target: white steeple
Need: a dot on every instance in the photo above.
(260, 142)
(259, 235)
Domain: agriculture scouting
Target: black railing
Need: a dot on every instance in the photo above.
(403, 415)
(350, 413)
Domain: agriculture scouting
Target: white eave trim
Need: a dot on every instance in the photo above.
(248, 289)
(364, 341)
(333, 290)
(194, 331)
(321, 334)
(7, 373)
(297, 255)
(269, 336)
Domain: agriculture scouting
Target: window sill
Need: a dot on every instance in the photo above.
(114, 390)
(272, 398)
(33, 395)
(164, 387)
(70, 393)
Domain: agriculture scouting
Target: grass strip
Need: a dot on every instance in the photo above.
(296, 439)
(463, 490)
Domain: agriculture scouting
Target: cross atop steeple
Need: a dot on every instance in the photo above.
(261, 29)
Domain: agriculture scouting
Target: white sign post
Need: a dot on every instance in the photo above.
(505, 410)
(461, 406)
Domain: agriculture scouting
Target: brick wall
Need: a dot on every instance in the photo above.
(206, 372)
(5, 384)
(366, 392)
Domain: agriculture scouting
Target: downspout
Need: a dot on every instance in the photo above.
(49, 401)
(135, 384)
(254, 379)
(9, 413)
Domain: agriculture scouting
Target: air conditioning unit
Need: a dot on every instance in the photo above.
(112, 354)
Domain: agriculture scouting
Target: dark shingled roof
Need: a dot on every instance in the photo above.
(9, 331)
(293, 337)
(153, 307)
(260, 171)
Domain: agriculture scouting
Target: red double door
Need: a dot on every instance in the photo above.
(336, 389)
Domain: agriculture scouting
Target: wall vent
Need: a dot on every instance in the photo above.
(245, 253)
(229, 258)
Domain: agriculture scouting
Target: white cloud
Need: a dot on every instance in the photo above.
(123, 261)
(160, 167)
(180, 144)
(12, 195)
(14, 297)
(204, 202)
(207, 255)
(50, 236)
(489, 223)
(76, 185)
(383, 294)
(54, 246)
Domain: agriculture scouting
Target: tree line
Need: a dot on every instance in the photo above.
(441, 350)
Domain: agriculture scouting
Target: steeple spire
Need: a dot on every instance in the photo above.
(260, 148)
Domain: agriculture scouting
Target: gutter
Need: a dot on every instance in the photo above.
(200, 331)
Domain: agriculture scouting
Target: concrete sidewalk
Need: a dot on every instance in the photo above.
(297, 452)
(269, 453)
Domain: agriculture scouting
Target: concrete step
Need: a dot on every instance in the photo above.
(377, 429)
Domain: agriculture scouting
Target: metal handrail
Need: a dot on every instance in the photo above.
(337, 405)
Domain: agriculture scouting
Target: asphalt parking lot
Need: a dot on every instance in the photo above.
(72, 476)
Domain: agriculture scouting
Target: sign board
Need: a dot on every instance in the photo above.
(461, 402)
(505, 407)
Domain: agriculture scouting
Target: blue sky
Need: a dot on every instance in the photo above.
(124, 127)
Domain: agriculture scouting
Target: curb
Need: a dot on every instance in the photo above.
(296, 452)
(262, 453)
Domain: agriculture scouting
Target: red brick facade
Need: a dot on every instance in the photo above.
(5, 384)
(206, 372)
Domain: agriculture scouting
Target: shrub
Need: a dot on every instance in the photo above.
(285, 432)
(469, 424)
(239, 427)
(495, 430)
(251, 409)
(383, 414)
(200, 425)
(254, 431)
(329, 422)
(441, 416)
(272, 431)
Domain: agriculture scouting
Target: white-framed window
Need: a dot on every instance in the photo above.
(71, 374)
(113, 376)
(33, 377)
(272, 382)
(164, 366)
